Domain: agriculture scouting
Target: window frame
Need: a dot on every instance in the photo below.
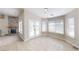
(72, 35)
(55, 26)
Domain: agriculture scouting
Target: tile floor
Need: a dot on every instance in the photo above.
(12, 43)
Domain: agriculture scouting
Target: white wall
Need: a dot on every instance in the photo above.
(4, 25)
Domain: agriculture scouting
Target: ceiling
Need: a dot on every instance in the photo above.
(51, 12)
(10, 11)
(41, 12)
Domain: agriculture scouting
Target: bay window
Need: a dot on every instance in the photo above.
(56, 26)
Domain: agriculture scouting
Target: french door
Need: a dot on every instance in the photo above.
(34, 28)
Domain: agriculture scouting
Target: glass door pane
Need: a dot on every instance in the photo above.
(34, 28)
(31, 29)
(37, 28)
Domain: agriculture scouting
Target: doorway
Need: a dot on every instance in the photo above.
(34, 28)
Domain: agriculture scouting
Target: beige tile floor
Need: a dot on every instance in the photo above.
(11, 43)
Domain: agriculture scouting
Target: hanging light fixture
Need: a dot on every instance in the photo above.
(46, 9)
(46, 12)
